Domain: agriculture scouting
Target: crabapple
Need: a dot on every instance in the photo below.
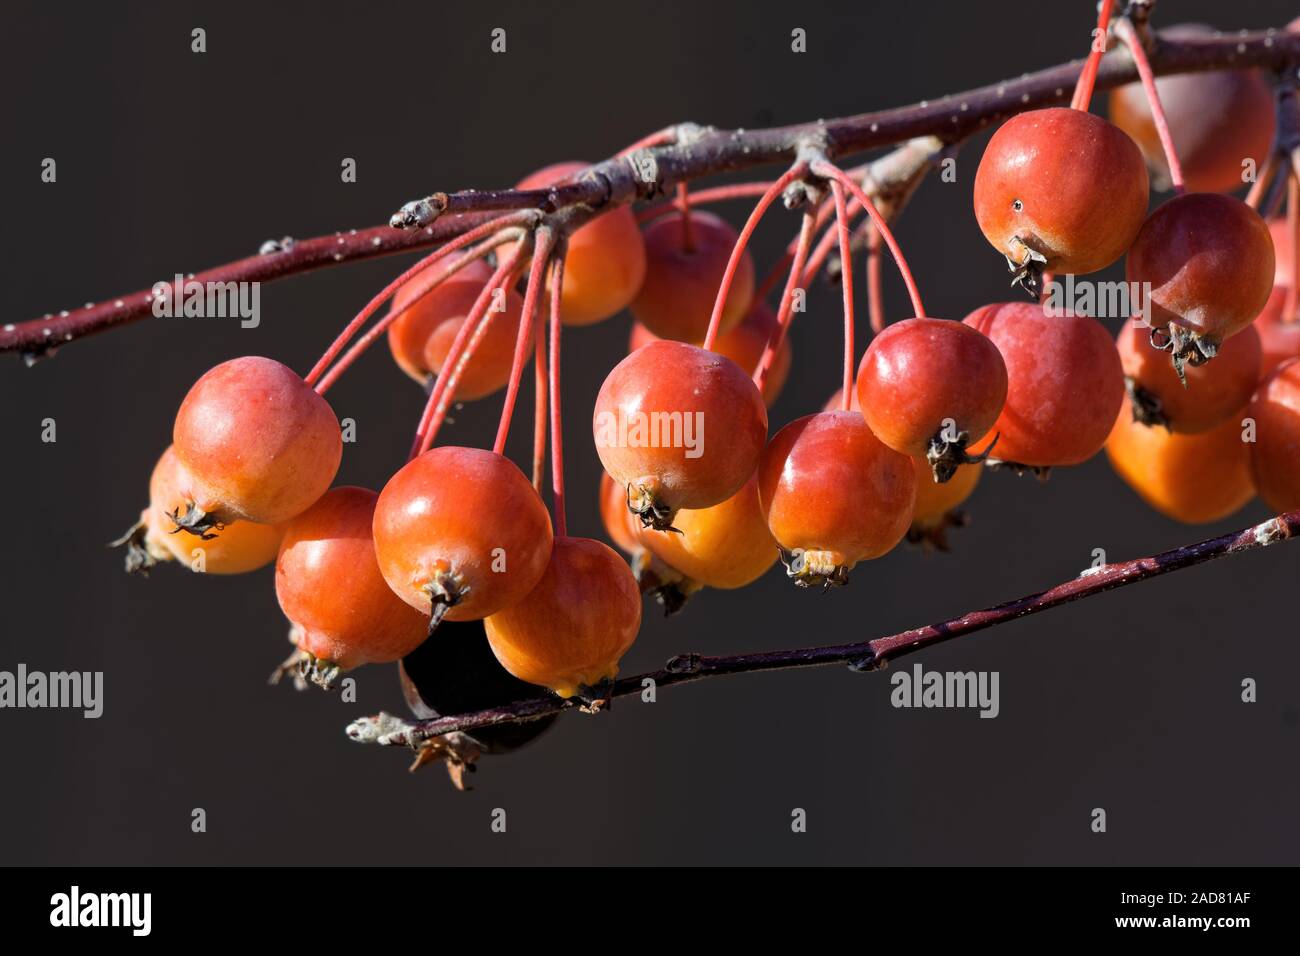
(458, 674)
(670, 587)
(743, 344)
(682, 279)
(240, 547)
(1213, 391)
(1060, 190)
(725, 546)
(258, 443)
(1275, 452)
(1209, 261)
(1279, 334)
(936, 502)
(422, 336)
(327, 580)
(571, 630)
(605, 263)
(678, 426)
(1064, 383)
(833, 494)
(930, 387)
(461, 533)
(1190, 478)
(1217, 120)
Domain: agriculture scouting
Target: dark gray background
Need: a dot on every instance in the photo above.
(170, 161)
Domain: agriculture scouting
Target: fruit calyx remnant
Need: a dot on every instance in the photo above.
(946, 454)
(652, 512)
(1186, 346)
(196, 521)
(933, 534)
(446, 589)
(1148, 409)
(810, 568)
(139, 558)
(1027, 270)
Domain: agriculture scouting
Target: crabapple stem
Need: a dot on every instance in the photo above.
(462, 349)
(684, 204)
(833, 172)
(540, 408)
(863, 655)
(846, 282)
(785, 311)
(822, 251)
(1088, 78)
(1260, 186)
(875, 298)
(423, 285)
(1126, 32)
(460, 242)
(796, 171)
(557, 423)
(1293, 230)
(664, 137)
(544, 243)
(781, 268)
(700, 197)
(709, 151)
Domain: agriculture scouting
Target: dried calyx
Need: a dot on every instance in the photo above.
(812, 568)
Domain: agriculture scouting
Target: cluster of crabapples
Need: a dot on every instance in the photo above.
(696, 492)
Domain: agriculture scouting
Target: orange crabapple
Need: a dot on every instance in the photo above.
(1275, 452)
(606, 260)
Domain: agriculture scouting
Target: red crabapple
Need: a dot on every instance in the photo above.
(1190, 478)
(605, 263)
(574, 626)
(1211, 393)
(327, 580)
(1209, 261)
(1279, 335)
(834, 494)
(461, 533)
(1275, 452)
(681, 282)
(1064, 383)
(1060, 190)
(678, 426)
(929, 388)
(258, 442)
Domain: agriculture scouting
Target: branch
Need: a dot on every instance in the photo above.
(866, 655)
(690, 152)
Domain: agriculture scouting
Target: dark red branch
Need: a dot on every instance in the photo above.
(864, 655)
(695, 153)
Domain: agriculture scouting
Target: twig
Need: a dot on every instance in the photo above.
(865, 655)
(683, 154)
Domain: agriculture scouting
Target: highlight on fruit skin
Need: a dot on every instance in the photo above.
(1218, 120)
(1275, 452)
(1205, 395)
(1065, 385)
(327, 580)
(460, 533)
(258, 442)
(1208, 261)
(1060, 190)
(605, 263)
(678, 427)
(744, 345)
(929, 388)
(681, 283)
(834, 494)
(423, 334)
(1195, 478)
(572, 629)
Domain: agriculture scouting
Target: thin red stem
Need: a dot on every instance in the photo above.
(539, 406)
(1088, 77)
(822, 251)
(421, 285)
(785, 311)
(462, 350)
(701, 197)
(875, 294)
(557, 424)
(773, 191)
(1129, 35)
(1262, 179)
(545, 242)
(846, 283)
(664, 137)
(1293, 230)
(460, 242)
(831, 171)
